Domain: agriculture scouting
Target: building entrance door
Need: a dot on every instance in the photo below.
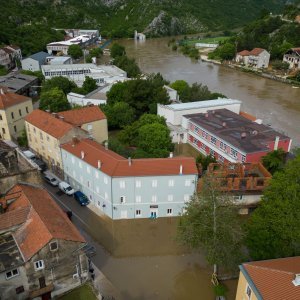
(153, 213)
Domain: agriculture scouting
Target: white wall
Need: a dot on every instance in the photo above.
(30, 64)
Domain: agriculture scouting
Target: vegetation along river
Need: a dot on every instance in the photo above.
(276, 103)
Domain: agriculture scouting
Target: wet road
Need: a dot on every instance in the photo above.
(274, 102)
(142, 259)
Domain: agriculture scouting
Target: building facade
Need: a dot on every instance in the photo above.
(123, 188)
(77, 72)
(257, 58)
(292, 57)
(230, 137)
(13, 109)
(50, 261)
(46, 132)
(34, 62)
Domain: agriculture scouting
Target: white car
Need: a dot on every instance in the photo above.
(66, 188)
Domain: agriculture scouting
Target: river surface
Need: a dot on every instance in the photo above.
(274, 102)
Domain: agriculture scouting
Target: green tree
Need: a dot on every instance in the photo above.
(96, 52)
(3, 71)
(273, 229)
(117, 50)
(61, 83)
(118, 115)
(226, 51)
(55, 100)
(22, 139)
(274, 161)
(210, 223)
(181, 86)
(89, 84)
(205, 160)
(75, 51)
(154, 139)
(128, 65)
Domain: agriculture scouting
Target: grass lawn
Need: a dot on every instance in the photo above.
(206, 40)
(84, 292)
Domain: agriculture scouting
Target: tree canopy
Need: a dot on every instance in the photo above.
(75, 51)
(128, 65)
(117, 50)
(60, 82)
(55, 100)
(274, 161)
(273, 229)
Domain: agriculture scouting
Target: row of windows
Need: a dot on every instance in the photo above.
(20, 113)
(138, 198)
(138, 212)
(67, 72)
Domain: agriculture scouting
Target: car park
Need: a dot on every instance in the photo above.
(66, 188)
(51, 179)
(81, 198)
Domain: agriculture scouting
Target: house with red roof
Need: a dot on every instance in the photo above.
(257, 58)
(40, 249)
(270, 279)
(129, 188)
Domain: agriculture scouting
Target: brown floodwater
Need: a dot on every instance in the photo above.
(274, 102)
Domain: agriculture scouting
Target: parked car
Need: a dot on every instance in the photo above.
(66, 188)
(41, 164)
(81, 198)
(51, 179)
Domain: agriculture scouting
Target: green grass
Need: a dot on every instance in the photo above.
(206, 40)
(85, 292)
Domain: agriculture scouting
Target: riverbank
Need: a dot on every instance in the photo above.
(252, 71)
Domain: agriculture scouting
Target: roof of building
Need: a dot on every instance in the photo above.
(84, 115)
(236, 130)
(73, 41)
(48, 123)
(296, 50)
(45, 220)
(244, 53)
(272, 279)
(16, 82)
(39, 56)
(201, 104)
(117, 166)
(248, 116)
(256, 51)
(11, 99)
(59, 60)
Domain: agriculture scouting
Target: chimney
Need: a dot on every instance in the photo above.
(61, 117)
(243, 135)
(74, 140)
(129, 161)
(180, 169)
(276, 143)
(296, 281)
(224, 124)
(171, 155)
(106, 145)
(55, 115)
(206, 115)
(82, 154)
(99, 164)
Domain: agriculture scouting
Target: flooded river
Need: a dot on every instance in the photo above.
(275, 103)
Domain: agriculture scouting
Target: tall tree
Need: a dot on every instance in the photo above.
(60, 82)
(274, 161)
(210, 223)
(55, 100)
(273, 229)
(75, 51)
(117, 50)
(89, 84)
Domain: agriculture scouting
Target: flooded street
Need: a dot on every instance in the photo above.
(275, 103)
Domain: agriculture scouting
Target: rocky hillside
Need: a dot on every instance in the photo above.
(119, 18)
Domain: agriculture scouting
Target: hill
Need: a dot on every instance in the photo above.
(28, 22)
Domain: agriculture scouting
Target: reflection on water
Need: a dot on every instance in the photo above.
(146, 261)
(274, 102)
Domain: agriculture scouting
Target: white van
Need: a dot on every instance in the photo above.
(66, 188)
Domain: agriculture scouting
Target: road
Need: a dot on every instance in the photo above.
(80, 215)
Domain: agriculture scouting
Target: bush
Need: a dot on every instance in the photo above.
(220, 290)
(280, 65)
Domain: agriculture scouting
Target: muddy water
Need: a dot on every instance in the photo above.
(276, 103)
(145, 261)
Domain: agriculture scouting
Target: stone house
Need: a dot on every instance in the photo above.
(46, 132)
(40, 250)
(13, 109)
(292, 57)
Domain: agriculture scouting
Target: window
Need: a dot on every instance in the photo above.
(187, 182)
(233, 152)
(12, 273)
(3, 130)
(20, 112)
(170, 197)
(15, 128)
(204, 134)
(248, 292)
(20, 289)
(138, 198)
(154, 183)
(171, 182)
(88, 169)
(12, 115)
(39, 265)
(122, 184)
(138, 184)
(213, 140)
(53, 246)
(27, 110)
(138, 212)
(48, 139)
(122, 199)
(169, 211)
(34, 129)
(154, 198)
(1, 117)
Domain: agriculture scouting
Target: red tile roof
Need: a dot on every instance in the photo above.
(118, 166)
(256, 51)
(244, 53)
(273, 278)
(83, 115)
(13, 218)
(10, 99)
(45, 221)
(48, 123)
